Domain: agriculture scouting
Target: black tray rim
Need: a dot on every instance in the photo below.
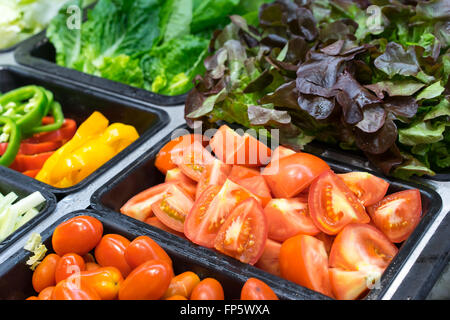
(162, 120)
(392, 270)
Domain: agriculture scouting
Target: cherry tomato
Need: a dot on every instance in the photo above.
(349, 285)
(289, 217)
(140, 206)
(361, 247)
(253, 181)
(73, 289)
(186, 183)
(243, 235)
(211, 210)
(208, 289)
(149, 281)
(194, 160)
(110, 252)
(46, 294)
(165, 159)
(215, 173)
(44, 274)
(368, 188)
(143, 249)
(154, 221)
(32, 298)
(182, 285)
(290, 175)
(281, 152)
(269, 260)
(69, 264)
(105, 281)
(77, 235)
(173, 208)
(255, 289)
(332, 205)
(303, 260)
(398, 214)
(177, 297)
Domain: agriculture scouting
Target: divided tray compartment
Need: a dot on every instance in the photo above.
(23, 188)
(143, 174)
(79, 103)
(15, 275)
(39, 53)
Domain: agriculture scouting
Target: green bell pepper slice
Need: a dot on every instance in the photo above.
(58, 116)
(14, 140)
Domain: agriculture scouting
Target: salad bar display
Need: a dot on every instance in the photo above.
(224, 149)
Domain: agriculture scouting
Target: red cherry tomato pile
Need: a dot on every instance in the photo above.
(90, 265)
(286, 212)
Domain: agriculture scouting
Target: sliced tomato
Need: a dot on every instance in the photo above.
(154, 221)
(290, 175)
(361, 247)
(350, 285)
(326, 239)
(304, 261)
(332, 205)
(63, 134)
(173, 208)
(193, 160)
(24, 162)
(211, 210)
(252, 152)
(225, 143)
(243, 235)
(165, 159)
(281, 152)
(398, 214)
(215, 173)
(253, 181)
(287, 218)
(368, 188)
(188, 185)
(240, 172)
(140, 206)
(269, 260)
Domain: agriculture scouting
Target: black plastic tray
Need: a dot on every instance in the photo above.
(78, 103)
(23, 188)
(143, 174)
(15, 275)
(39, 53)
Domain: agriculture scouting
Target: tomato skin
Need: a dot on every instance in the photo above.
(91, 266)
(176, 297)
(32, 298)
(208, 289)
(105, 281)
(398, 214)
(215, 173)
(269, 260)
(255, 289)
(368, 188)
(225, 143)
(44, 274)
(281, 152)
(253, 181)
(154, 221)
(303, 260)
(149, 281)
(165, 159)
(332, 205)
(182, 285)
(142, 249)
(77, 235)
(71, 289)
(110, 252)
(69, 264)
(186, 183)
(348, 285)
(193, 160)
(361, 247)
(46, 294)
(247, 238)
(290, 175)
(287, 218)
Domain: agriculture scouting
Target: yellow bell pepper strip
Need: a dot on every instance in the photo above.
(94, 144)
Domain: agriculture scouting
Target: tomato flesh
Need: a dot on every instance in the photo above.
(349, 285)
(193, 160)
(333, 205)
(269, 260)
(368, 188)
(253, 181)
(281, 152)
(215, 173)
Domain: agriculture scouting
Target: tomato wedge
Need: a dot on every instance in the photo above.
(368, 188)
(398, 214)
(186, 183)
(224, 144)
(154, 221)
(281, 152)
(252, 152)
(287, 218)
(253, 181)
(165, 159)
(193, 160)
(361, 247)
(303, 260)
(240, 172)
(211, 210)
(350, 285)
(332, 205)
(173, 208)
(215, 173)
(269, 260)
(140, 206)
(243, 235)
(290, 175)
